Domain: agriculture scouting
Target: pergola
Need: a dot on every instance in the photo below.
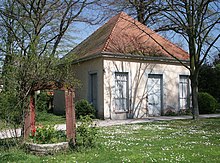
(29, 124)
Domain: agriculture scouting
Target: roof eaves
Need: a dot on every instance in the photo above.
(138, 57)
(83, 59)
(129, 56)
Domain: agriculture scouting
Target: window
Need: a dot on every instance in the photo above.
(184, 92)
(121, 91)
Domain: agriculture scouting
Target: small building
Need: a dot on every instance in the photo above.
(126, 71)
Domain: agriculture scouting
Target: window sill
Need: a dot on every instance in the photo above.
(120, 112)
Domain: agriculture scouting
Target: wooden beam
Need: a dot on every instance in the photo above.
(29, 124)
(70, 116)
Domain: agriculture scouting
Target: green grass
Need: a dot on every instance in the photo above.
(45, 118)
(2, 125)
(162, 141)
(42, 118)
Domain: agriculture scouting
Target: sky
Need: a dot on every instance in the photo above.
(84, 30)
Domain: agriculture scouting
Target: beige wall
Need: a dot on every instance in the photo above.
(82, 72)
(138, 76)
(59, 102)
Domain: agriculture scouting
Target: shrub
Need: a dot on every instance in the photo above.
(42, 101)
(207, 103)
(86, 133)
(218, 108)
(185, 112)
(47, 134)
(170, 112)
(11, 108)
(83, 108)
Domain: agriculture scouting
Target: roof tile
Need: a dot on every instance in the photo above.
(122, 34)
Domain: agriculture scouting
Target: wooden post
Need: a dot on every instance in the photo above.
(70, 116)
(29, 124)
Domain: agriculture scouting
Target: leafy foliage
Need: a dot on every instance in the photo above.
(42, 101)
(185, 112)
(86, 133)
(47, 134)
(31, 33)
(170, 112)
(210, 73)
(84, 108)
(207, 103)
(11, 108)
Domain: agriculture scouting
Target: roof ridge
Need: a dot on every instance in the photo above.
(94, 33)
(138, 24)
(119, 34)
(171, 42)
(108, 38)
(81, 43)
(166, 39)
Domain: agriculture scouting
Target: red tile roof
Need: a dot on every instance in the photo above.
(124, 35)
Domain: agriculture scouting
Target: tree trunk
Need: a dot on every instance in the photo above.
(140, 8)
(194, 88)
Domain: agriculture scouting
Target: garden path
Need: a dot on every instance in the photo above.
(9, 133)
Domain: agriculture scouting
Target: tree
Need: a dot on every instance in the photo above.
(146, 11)
(210, 73)
(216, 60)
(198, 23)
(31, 32)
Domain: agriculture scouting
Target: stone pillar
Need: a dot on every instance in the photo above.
(29, 123)
(70, 116)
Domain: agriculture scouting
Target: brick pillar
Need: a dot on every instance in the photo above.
(29, 123)
(70, 116)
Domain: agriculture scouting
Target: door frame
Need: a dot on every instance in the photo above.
(160, 76)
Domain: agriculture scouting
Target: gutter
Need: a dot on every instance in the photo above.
(128, 56)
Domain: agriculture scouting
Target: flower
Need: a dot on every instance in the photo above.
(46, 134)
(33, 131)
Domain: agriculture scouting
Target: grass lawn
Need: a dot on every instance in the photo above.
(163, 141)
(45, 118)
(42, 118)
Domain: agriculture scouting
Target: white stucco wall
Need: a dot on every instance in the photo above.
(138, 76)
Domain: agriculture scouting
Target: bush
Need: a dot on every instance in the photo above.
(207, 103)
(218, 108)
(47, 134)
(42, 101)
(11, 108)
(86, 133)
(185, 112)
(83, 108)
(170, 112)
